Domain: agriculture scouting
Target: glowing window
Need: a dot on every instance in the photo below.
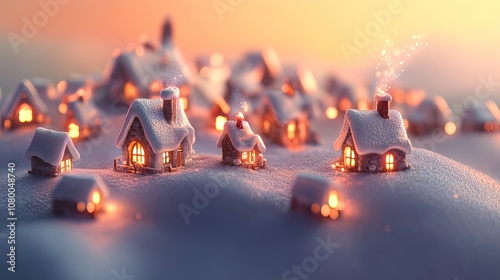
(166, 157)
(138, 153)
(184, 102)
(244, 155)
(130, 91)
(179, 150)
(219, 122)
(66, 165)
(291, 130)
(25, 113)
(349, 157)
(266, 126)
(252, 156)
(389, 162)
(73, 130)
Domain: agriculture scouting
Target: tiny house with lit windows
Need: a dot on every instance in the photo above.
(156, 135)
(25, 107)
(240, 146)
(285, 117)
(51, 152)
(373, 140)
(82, 120)
(146, 70)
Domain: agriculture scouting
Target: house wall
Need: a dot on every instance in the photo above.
(278, 131)
(40, 167)
(136, 133)
(229, 153)
(377, 162)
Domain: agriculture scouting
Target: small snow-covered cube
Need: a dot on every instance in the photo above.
(81, 195)
(315, 194)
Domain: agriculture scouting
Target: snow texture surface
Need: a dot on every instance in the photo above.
(161, 135)
(373, 134)
(25, 86)
(243, 139)
(79, 188)
(50, 145)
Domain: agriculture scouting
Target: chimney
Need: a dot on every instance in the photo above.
(166, 33)
(382, 100)
(170, 98)
(239, 120)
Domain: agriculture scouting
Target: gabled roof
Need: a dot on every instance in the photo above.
(50, 145)
(25, 86)
(243, 139)
(161, 135)
(84, 112)
(286, 107)
(373, 134)
(79, 187)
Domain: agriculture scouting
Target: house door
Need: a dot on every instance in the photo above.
(180, 155)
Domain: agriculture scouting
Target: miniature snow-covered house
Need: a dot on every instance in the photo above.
(285, 117)
(144, 72)
(317, 195)
(80, 195)
(373, 140)
(51, 152)
(156, 135)
(82, 120)
(240, 146)
(25, 107)
(431, 114)
(481, 117)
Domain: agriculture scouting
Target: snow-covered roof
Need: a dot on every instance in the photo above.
(50, 145)
(372, 133)
(84, 112)
(429, 109)
(25, 86)
(287, 107)
(311, 188)
(79, 188)
(161, 135)
(243, 139)
(169, 93)
(383, 97)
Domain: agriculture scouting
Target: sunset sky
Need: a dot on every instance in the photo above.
(79, 37)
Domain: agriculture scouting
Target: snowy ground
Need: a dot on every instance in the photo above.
(438, 220)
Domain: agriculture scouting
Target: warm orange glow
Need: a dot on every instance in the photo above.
(73, 130)
(184, 102)
(406, 123)
(61, 86)
(315, 208)
(362, 104)
(138, 153)
(414, 97)
(345, 104)
(333, 199)
(307, 79)
(66, 165)
(80, 206)
(325, 210)
(7, 124)
(62, 108)
(291, 130)
(286, 88)
(90, 207)
(216, 59)
(332, 113)
(334, 214)
(342, 169)
(450, 128)
(488, 126)
(25, 113)
(156, 86)
(130, 91)
(349, 157)
(389, 162)
(492, 106)
(219, 122)
(96, 197)
(204, 72)
(244, 155)
(266, 126)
